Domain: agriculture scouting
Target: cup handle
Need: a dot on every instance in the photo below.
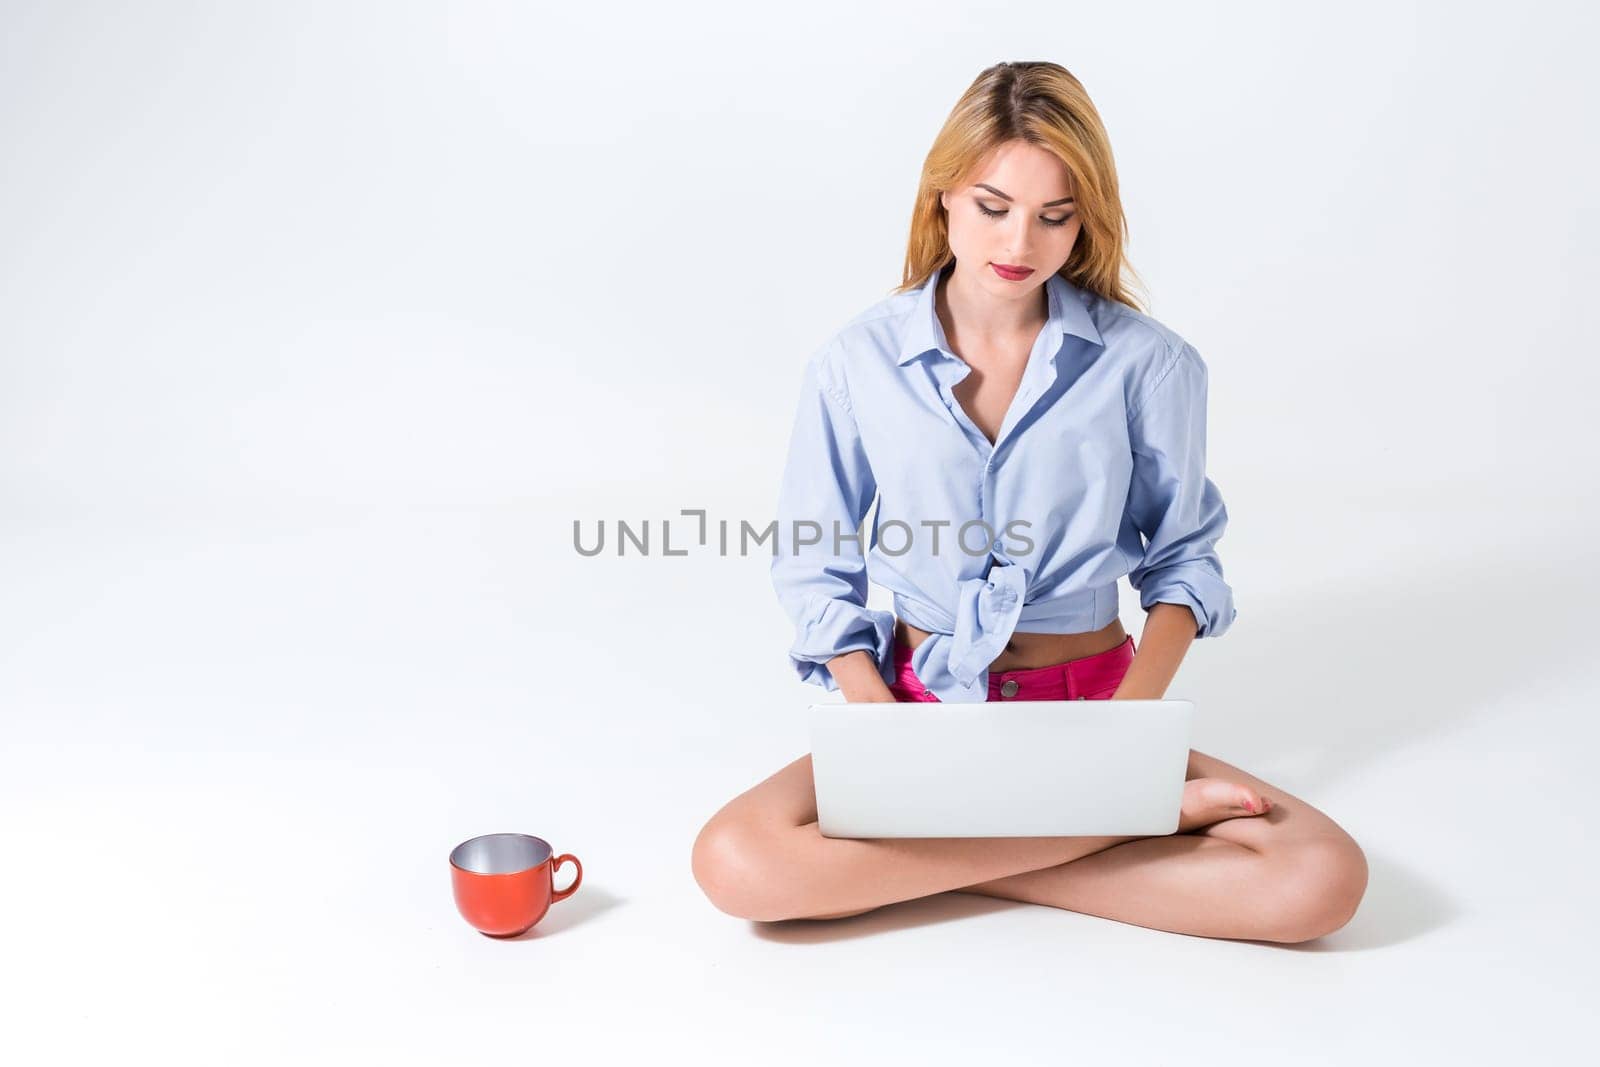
(577, 878)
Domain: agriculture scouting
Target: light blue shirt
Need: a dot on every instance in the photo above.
(1098, 471)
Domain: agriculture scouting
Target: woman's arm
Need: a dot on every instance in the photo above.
(1168, 632)
(857, 676)
(1180, 513)
(819, 567)
(1174, 505)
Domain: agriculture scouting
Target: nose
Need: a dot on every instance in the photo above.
(1017, 240)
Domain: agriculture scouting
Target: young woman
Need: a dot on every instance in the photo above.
(1030, 437)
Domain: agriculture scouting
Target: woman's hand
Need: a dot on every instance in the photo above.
(858, 679)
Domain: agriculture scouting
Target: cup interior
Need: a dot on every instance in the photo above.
(500, 853)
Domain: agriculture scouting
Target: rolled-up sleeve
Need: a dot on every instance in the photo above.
(827, 486)
(1177, 509)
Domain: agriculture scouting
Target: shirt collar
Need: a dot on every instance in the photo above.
(925, 333)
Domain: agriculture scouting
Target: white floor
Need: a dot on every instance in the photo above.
(320, 323)
(237, 753)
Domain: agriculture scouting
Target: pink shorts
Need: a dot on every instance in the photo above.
(1093, 677)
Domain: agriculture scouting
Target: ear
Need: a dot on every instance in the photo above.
(944, 200)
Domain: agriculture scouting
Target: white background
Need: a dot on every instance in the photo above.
(321, 323)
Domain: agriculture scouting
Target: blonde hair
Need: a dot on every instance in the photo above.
(1042, 104)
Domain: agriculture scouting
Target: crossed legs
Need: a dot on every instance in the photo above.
(1291, 874)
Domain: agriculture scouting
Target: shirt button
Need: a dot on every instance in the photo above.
(1009, 688)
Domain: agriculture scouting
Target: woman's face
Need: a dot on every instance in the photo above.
(1018, 212)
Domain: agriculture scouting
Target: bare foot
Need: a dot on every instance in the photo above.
(1209, 800)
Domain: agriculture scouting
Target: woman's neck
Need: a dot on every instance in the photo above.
(987, 322)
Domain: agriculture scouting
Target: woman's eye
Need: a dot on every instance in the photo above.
(1001, 214)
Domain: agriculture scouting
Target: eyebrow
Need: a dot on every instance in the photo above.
(1003, 196)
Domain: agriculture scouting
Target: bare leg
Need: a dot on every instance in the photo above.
(1291, 875)
(762, 857)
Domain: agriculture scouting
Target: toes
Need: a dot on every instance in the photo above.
(1219, 799)
(1258, 804)
(1255, 803)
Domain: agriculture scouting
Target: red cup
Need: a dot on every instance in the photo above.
(504, 883)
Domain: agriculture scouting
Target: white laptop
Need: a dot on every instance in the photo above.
(1000, 768)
